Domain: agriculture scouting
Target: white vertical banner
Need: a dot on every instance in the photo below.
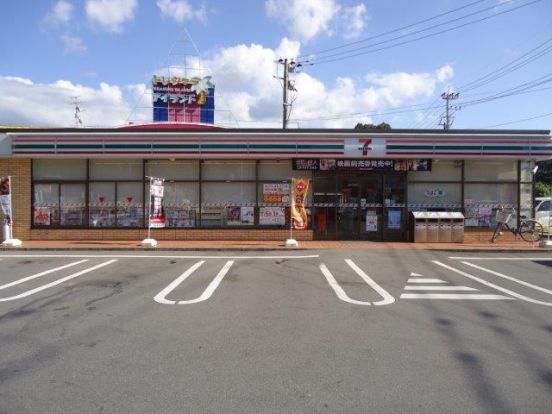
(5, 199)
(156, 212)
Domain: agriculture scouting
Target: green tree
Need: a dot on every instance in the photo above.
(543, 179)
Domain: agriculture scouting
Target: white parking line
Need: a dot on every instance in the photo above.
(161, 296)
(542, 259)
(150, 256)
(387, 298)
(338, 289)
(453, 296)
(513, 279)
(433, 287)
(26, 279)
(57, 282)
(483, 281)
(426, 280)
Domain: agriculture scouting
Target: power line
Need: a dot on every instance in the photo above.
(394, 30)
(520, 120)
(347, 55)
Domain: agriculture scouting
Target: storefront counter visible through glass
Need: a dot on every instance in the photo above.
(359, 205)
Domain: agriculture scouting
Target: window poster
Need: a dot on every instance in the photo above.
(394, 219)
(272, 216)
(233, 216)
(248, 215)
(371, 221)
(276, 193)
(42, 216)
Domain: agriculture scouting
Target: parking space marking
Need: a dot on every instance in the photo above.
(438, 288)
(161, 297)
(543, 259)
(46, 272)
(151, 256)
(486, 283)
(426, 280)
(513, 279)
(57, 282)
(387, 298)
(427, 291)
(454, 296)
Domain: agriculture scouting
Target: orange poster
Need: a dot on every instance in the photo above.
(299, 191)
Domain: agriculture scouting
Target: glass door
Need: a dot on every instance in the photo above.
(324, 206)
(371, 207)
(394, 207)
(348, 206)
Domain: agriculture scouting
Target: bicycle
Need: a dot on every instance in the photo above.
(529, 230)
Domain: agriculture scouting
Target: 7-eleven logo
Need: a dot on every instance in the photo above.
(365, 146)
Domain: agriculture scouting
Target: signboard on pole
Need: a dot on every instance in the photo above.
(157, 213)
(299, 191)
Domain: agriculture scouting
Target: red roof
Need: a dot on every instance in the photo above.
(169, 126)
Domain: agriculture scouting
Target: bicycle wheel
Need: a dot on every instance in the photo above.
(498, 230)
(531, 231)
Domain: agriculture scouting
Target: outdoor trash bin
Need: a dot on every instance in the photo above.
(420, 226)
(445, 227)
(457, 227)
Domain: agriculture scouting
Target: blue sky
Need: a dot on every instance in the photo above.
(105, 51)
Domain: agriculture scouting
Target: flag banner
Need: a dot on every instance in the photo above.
(299, 191)
(5, 202)
(157, 212)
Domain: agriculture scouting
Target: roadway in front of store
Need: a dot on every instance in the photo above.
(351, 331)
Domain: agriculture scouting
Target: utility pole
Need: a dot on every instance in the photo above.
(289, 67)
(448, 119)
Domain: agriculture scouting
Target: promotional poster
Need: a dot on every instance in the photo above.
(157, 213)
(299, 191)
(5, 202)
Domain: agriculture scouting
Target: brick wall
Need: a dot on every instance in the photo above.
(20, 171)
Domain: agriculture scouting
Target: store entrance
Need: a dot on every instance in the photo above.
(360, 206)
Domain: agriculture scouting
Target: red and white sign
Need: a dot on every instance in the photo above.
(365, 147)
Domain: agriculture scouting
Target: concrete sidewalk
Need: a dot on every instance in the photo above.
(514, 246)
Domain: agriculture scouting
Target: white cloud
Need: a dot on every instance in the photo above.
(37, 104)
(243, 75)
(354, 21)
(444, 73)
(73, 44)
(110, 14)
(305, 18)
(180, 10)
(61, 12)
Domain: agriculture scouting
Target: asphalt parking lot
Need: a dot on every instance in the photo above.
(275, 332)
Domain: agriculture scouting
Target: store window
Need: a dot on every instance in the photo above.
(102, 205)
(440, 196)
(113, 170)
(72, 205)
(178, 170)
(441, 170)
(229, 170)
(180, 204)
(476, 170)
(482, 200)
(130, 204)
(228, 204)
(46, 205)
(67, 170)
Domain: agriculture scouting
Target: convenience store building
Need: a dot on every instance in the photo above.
(233, 184)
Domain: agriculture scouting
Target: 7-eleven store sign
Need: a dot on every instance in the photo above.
(365, 147)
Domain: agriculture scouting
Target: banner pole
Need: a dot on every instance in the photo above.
(11, 208)
(149, 210)
(290, 209)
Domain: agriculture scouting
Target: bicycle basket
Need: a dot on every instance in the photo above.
(503, 216)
